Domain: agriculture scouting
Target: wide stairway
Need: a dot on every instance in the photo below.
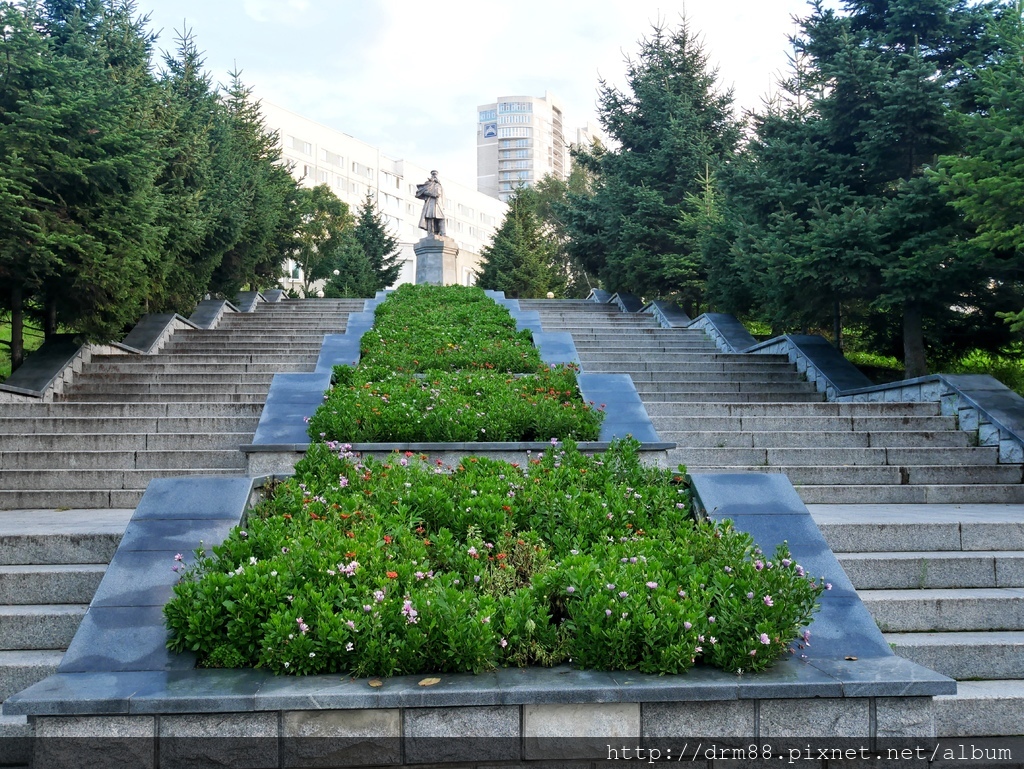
(73, 470)
(928, 525)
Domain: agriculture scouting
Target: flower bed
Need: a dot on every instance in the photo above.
(383, 568)
(443, 364)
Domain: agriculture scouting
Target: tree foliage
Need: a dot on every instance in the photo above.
(124, 189)
(522, 260)
(672, 129)
(832, 207)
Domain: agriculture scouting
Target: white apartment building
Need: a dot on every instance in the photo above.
(519, 140)
(351, 168)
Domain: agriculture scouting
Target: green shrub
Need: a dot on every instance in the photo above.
(446, 364)
(406, 566)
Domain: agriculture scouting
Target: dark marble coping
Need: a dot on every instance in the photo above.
(626, 302)
(830, 362)
(217, 691)
(668, 312)
(599, 295)
(148, 331)
(42, 367)
(729, 328)
(467, 446)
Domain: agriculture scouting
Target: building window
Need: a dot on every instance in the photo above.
(301, 145)
(486, 115)
(330, 157)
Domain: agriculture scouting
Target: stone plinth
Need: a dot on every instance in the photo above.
(435, 260)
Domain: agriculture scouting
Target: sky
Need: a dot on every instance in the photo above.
(407, 76)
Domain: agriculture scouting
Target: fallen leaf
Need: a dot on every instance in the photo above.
(430, 681)
(851, 658)
(376, 683)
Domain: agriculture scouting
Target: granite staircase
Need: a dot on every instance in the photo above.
(735, 413)
(72, 471)
(127, 419)
(928, 525)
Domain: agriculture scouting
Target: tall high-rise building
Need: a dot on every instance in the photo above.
(519, 140)
(352, 168)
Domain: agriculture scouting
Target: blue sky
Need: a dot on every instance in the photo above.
(407, 76)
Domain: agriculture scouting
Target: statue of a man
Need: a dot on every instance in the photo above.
(432, 195)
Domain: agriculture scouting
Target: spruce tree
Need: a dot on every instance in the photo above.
(671, 126)
(380, 247)
(522, 260)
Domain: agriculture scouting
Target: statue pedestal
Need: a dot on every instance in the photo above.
(435, 260)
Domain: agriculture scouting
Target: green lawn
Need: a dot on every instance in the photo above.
(33, 338)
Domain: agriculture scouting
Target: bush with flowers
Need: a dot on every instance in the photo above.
(378, 568)
(445, 363)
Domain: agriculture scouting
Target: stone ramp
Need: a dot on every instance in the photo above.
(946, 585)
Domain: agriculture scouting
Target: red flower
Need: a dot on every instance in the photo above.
(391, 574)
(387, 539)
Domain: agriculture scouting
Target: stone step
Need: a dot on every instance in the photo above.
(799, 423)
(65, 410)
(671, 391)
(899, 410)
(693, 378)
(161, 397)
(145, 384)
(61, 537)
(768, 395)
(22, 668)
(58, 583)
(867, 475)
(139, 441)
(981, 709)
(226, 459)
(39, 626)
(967, 655)
(796, 440)
(924, 494)
(862, 528)
(171, 364)
(931, 610)
(681, 366)
(67, 499)
(243, 422)
(836, 457)
(934, 569)
(95, 480)
(199, 359)
(198, 377)
(650, 358)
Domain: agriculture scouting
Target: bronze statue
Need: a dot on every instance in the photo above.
(432, 195)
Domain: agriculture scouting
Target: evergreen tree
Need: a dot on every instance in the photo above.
(671, 127)
(986, 182)
(832, 201)
(353, 277)
(522, 260)
(266, 192)
(380, 248)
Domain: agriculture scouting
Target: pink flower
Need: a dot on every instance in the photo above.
(342, 481)
(179, 557)
(411, 615)
(502, 643)
(765, 639)
(768, 601)
(652, 585)
(687, 626)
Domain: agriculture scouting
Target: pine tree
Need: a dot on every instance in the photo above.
(671, 126)
(380, 247)
(522, 260)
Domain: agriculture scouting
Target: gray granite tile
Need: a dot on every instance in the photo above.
(560, 684)
(727, 495)
(199, 497)
(122, 639)
(700, 683)
(111, 741)
(843, 627)
(890, 676)
(443, 735)
(140, 578)
(698, 719)
(318, 692)
(177, 535)
(453, 689)
(333, 738)
(242, 740)
(788, 678)
(199, 691)
(79, 693)
(839, 717)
